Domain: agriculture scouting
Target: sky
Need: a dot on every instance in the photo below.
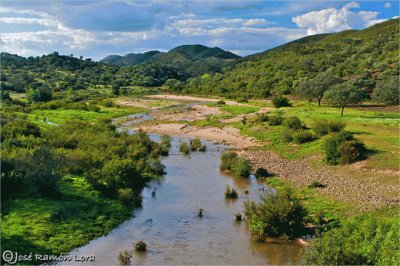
(95, 29)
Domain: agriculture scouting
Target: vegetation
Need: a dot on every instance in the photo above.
(231, 193)
(141, 246)
(124, 258)
(184, 148)
(280, 101)
(387, 91)
(338, 56)
(343, 148)
(262, 173)
(278, 214)
(316, 88)
(364, 240)
(345, 94)
(231, 162)
(323, 127)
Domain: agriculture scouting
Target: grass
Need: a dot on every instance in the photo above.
(315, 202)
(47, 226)
(61, 116)
(378, 130)
(237, 110)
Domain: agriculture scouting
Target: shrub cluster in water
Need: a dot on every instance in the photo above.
(277, 214)
(343, 148)
(231, 162)
(231, 193)
(194, 145)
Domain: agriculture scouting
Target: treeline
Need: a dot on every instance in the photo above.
(313, 63)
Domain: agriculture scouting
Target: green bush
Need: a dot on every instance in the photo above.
(228, 159)
(275, 120)
(351, 151)
(277, 214)
(124, 258)
(184, 148)
(126, 195)
(107, 103)
(221, 102)
(316, 184)
(302, 137)
(287, 136)
(365, 240)
(343, 148)
(141, 246)
(261, 118)
(323, 127)
(293, 122)
(231, 193)
(241, 168)
(280, 101)
(195, 144)
(261, 173)
(154, 166)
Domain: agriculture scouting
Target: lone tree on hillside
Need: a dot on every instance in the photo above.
(345, 94)
(315, 88)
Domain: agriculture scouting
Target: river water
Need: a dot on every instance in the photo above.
(169, 224)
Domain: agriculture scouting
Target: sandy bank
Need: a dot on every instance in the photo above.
(228, 134)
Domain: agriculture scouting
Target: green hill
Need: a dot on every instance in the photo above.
(368, 55)
(130, 59)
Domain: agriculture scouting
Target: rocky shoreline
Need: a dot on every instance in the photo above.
(364, 194)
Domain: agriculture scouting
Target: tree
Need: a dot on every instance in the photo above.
(41, 94)
(315, 88)
(345, 94)
(387, 91)
(115, 89)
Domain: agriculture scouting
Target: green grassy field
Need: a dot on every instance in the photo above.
(378, 130)
(47, 226)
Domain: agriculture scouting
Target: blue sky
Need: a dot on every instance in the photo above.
(96, 29)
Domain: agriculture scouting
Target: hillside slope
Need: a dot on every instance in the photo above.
(370, 54)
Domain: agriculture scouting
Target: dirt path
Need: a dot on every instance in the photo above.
(359, 187)
(191, 98)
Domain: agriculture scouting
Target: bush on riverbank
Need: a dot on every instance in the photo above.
(359, 241)
(231, 162)
(279, 214)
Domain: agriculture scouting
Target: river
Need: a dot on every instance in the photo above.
(169, 224)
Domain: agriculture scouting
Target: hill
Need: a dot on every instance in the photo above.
(368, 55)
(130, 59)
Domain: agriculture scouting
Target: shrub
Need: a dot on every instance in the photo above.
(203, 148)
(107, 103)
(195, 144)
(154, 166)
(316, 184)
(359, 241)
(231, 193)
(141, 246)
(343, 148)
(302, 137)
(278, 214)
(126, 195)
(261, 118)
(280, 101)
(242, 168)
(293, 122)
(287, 136)
(124, 258)
(239, 216)
(220, 102)
(262, 172)
(275, 120)
(166, 141)
(228, 159)
(351, 151)
(243, 100)
(184, 148)
(323, 127)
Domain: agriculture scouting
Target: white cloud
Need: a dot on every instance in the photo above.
(333, 20)
(388, 5)
(218, 22)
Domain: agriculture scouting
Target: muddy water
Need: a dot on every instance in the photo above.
(174, 234)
